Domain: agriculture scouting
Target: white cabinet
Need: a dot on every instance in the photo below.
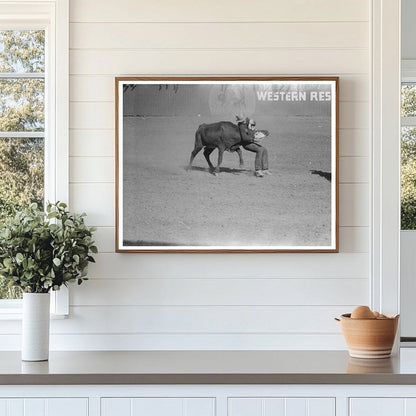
(377, 407)
(160, 406)
(270, 406)
(382, 406)
(208, 400)
(44, 407)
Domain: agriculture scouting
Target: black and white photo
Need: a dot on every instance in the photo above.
(227, 164)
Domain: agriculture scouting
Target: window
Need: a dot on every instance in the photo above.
(33, 111)
(22, 124)
(408, 154)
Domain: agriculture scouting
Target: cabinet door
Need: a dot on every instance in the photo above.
(382, 407)
(270, 406)
(160, 406)
(44, 407)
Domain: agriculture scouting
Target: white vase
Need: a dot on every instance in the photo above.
(35, 326)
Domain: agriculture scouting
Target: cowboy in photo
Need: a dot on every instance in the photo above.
(251, 139)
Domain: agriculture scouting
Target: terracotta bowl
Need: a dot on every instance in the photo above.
(369, 338)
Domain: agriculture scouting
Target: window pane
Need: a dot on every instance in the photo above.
(7, 292)
(21, 182)
(408, 102)
(408, 178)
(21, 173)
(22, 51)
(22, 104)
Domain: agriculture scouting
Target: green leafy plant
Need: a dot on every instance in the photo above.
(43, 251)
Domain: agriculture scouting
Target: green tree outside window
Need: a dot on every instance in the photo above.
(22, 125)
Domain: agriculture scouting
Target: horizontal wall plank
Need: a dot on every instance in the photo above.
(91, 169)
(94, 143)
(200, 319)
(354, 169)
(218, 35)
(352, 239)
(92, 88)
(219, 291)
(148, 342)
(96, 199)
(218, 11)
(186, 320)
(251, 266)
(352, 115)
(354, 88)
(231, 61)
(354, 205)
(354, 142)
(105, 238)
(101, 88)
(81, 115)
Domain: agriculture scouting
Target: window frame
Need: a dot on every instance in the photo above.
(385, 156)
(408, 74)
(53, 17)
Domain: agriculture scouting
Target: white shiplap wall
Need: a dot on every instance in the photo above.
(218, 301)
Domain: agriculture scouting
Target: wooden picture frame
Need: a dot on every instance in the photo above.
(168, 201)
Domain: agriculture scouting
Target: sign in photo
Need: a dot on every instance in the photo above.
(227, 164)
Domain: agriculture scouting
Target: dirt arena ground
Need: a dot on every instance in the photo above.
(164, 204)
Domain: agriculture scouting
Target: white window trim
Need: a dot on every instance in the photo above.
(54, 16)
(385, 209)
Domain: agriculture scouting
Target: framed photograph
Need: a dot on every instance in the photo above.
(230, 164)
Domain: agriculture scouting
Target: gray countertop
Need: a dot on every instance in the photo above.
(207, 367)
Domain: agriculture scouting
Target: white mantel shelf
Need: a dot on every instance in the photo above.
(207, 367)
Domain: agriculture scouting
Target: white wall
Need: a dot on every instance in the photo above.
(218, 301)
